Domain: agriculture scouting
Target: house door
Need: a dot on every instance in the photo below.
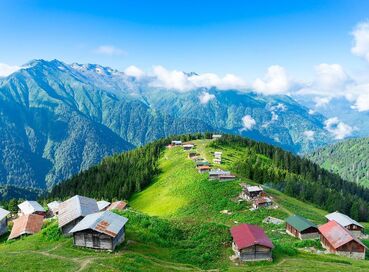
(95, 241)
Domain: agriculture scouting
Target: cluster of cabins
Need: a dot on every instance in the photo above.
(340, 235)
(256, 195)
(91, 223)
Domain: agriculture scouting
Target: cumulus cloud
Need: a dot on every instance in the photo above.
(361, 40)
(248, 122)
(174, 79)
(309, 134)
(205, 97)
(134, 71)
(337, 128)
(109, 50)
(275, 81)
(6, 70)
(361, 97)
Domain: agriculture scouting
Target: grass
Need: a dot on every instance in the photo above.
(176, 224)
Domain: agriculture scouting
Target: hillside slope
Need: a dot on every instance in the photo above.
(176, 224)
(349, 159)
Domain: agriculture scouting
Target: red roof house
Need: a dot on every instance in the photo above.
(338, 240)
(26, 225)
(117, 205)
(250, 243)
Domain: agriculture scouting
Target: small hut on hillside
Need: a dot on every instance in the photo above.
(188, 146)
(250, 243)
(31, 207)
(338, 240)
(251, 192)
(301, 228)
(203, 169)
(347, 222)
(216, 136)
(226, 177)
(118, 205)
(26, 225)
(3, 221)
(215, 173)
(176, 143)
(74, 210)
(262, 202)
(103, 230)
(202, 163)
(53, 208)
(103, 205)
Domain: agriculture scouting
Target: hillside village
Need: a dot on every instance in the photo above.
(100, 225)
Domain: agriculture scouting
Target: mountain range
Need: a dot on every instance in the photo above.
(58, 119)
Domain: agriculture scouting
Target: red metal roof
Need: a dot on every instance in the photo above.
(246, 235)
(337, 235)
(118, 205)
(26, 224)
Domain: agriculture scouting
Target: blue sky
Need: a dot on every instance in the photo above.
(240, 37)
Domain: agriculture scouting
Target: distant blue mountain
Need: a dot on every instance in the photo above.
(58, 119)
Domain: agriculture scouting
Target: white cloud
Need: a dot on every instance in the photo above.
(205, 97)
(248, 122)
(330, 77)
(361, 40)
(362, 97)
(174, 79)
(134, 71)
(321, 101)
(275, 81)
(109, 50)
(6, 70)
(337, 128)
(309, 134)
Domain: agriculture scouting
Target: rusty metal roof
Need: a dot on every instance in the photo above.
(26, 224)
(118, 205)
(105, 222)
(76, 207)
(29, 207)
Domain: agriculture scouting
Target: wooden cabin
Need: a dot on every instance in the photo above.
(103, 205)
(187, 146)
(338, 240)
(202, 163)
(102, 230)
(217, 161)
(26, 225)
(250, 243)
(203, 169)
(251, 192)
(31, 207)
(301, 228)
(217, 154)
(262, 202)
(347, 222)
(3, 221)
(176, 143)
(215, 173)
(73, 210)
(226, 177)
(53, 208)
(118, 205)
(192, 155)
(216, 136)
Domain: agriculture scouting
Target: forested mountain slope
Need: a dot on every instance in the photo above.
(58, 119)
(349, 159)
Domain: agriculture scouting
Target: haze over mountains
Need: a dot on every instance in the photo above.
(58, 119)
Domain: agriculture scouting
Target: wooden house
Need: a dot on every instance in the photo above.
(118, 205)
(217, 154)
(251, 192)
(250, 243)
(187, 146)
(3, 221)
(338, 240)
(192, 155)
(103, 205)
(176, 143)
(217, 161)
(102, 230)
(301, 228)
(202, 163)
(74, 210)
(215, 173)
(345, 221)
(216, 136)
(203, 169)
(31, 207)
(226, 177)
(26, 225)
(262, 202)
(53, 208)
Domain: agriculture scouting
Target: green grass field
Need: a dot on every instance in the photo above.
(176, 224)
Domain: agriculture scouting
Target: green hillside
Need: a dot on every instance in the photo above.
(176, 224)
(349, 159)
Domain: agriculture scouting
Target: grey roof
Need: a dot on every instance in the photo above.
(219, 172)
(53, 206)
(3, 213)
(254, 188)
(105, 222)
(342, 219)
(76, 207)
(102, 204)
(29, 207)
